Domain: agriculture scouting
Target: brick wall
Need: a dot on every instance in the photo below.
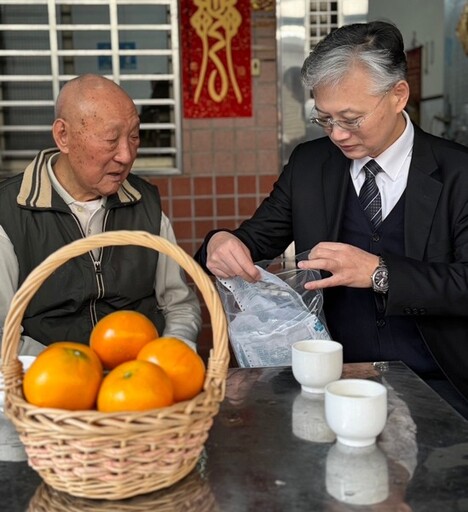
(229, 164)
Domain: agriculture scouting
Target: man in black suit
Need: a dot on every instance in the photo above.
(383, 208)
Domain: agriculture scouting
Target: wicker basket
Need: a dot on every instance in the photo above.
(114, 455)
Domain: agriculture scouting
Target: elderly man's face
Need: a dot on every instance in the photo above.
(102, 145)
(378, 117)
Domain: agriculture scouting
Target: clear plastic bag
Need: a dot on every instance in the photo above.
(265, 318)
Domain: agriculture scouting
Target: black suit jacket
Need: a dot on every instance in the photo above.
(430, 282)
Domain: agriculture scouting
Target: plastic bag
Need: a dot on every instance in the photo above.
(265, 318)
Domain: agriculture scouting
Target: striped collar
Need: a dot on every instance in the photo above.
(37, 188)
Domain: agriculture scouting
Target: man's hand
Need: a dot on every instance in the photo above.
(348, 265)
(227, 256)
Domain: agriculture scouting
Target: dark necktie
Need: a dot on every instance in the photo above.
(369, 196)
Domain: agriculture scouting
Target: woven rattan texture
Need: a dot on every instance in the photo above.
(114, 455)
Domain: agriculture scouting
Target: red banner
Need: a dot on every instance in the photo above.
(216, 55)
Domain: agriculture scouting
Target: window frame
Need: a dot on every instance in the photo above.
(150, 161)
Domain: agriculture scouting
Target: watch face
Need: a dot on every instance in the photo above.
(380, 280)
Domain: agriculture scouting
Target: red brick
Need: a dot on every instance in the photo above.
(181, 186)
(203, 207)
(165, 204)
(182, 208)
(225, 207)
(202, 227)
(266, 184)
(203, 185)
(182, 228)
(247, 184)
(247, 206)
(163, 185)
(224, 185)
(228, 223)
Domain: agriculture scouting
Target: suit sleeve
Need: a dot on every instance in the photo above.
(435, 283)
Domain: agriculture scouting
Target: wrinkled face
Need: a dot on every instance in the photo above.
(352, 102)
(100, 142)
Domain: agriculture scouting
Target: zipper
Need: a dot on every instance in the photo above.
(99, 278)
(97, 271)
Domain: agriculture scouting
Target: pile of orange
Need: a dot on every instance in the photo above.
(126, 367)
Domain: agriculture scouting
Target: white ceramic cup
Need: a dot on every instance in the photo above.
(315, 363)
(356, 410)
(358, 476)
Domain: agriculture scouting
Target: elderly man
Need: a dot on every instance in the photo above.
(83, 187)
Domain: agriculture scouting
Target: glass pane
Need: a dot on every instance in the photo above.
(84, 14)
(129, 64)
(15, 14)
(143, 14)
(29, 138)
(146, 39)
(26, 65)
(26, 91)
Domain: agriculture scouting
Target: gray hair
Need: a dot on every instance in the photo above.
(376, 46)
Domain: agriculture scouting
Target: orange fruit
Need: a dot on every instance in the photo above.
(66, 375)
(135, 386)
(185, 367)
(119, 336)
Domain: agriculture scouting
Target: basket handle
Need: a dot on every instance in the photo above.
(219, 354)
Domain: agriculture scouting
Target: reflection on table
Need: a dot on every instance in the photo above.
(271, 449)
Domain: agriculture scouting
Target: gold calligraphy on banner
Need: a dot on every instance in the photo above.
(217, 20)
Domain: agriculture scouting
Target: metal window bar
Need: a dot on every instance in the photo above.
(323, 17)
(151, 160)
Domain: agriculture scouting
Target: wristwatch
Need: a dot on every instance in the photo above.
(380, 277)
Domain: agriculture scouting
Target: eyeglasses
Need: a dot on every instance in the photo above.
(350, 125)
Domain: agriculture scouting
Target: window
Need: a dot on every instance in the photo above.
(323, 18)
(45, 43)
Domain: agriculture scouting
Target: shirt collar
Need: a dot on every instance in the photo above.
(69, 200)
(393, 158)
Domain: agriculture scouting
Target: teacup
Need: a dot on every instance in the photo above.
(358, 476)
(315, 363)
(356, 410)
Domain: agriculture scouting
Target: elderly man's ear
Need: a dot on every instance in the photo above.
(60, 134)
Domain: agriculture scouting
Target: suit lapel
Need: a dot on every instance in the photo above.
(422, 196)
(335, 184)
